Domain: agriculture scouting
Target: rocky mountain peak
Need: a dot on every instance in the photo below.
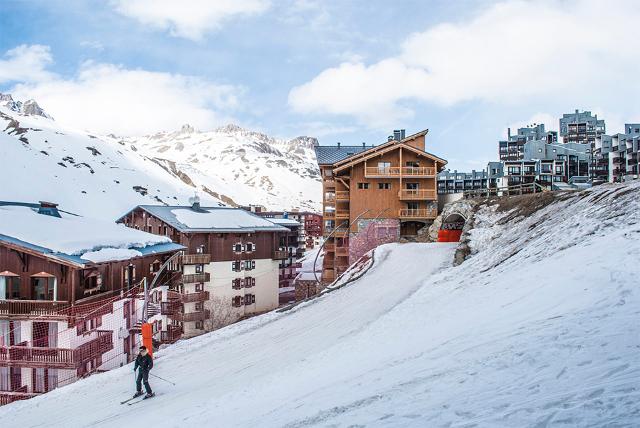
(30, 107)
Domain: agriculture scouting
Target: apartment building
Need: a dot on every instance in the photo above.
(458, 182)
(311, 231)
(375, 194)
(229, 270)
(69, 295)
(512, 149)
(616, 156)
(581, 127)
(289, 267)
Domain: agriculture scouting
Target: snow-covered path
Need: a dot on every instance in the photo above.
(539, 327)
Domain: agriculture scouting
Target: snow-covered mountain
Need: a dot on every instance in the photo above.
(104, 176)
(537, 327)
(85, 174)
(240, 166)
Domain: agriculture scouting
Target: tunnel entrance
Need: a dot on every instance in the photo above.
(451, 228)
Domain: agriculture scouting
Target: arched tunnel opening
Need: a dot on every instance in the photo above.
(451, 228)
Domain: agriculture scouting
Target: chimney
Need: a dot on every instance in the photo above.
(398, 134)
(338, 144)
(195, 203)
(390, 138)
(508, 134)
(364, 145)
(49, 208)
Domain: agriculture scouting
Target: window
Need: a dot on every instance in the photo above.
(383, 167)
(200, 249)
(199, 287)
(412, 205)
(384, 186)
(411, 186)
(249, 264)
(42, 287)
(249, 299)
(165, 231)
(249, 282)
(150, 229)
(237, 247)
(363, 186)
(412, 164)
(199, 268)
(11, 283)
(237, 301)
(199, 325)
(236, 283)
(250, 247)
(236, 265)
(199, 306)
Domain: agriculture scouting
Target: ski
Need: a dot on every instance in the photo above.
(126, 401)
(139, 401)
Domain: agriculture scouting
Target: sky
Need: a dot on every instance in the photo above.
(345, 71)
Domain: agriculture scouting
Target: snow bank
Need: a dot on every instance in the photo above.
(107, 254)
(219, 218)
(72, 234)
(538, 327)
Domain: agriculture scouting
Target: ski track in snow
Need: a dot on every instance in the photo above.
(547, 336)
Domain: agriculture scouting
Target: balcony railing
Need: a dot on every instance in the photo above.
(171, 307)
(198, 296)
(342, 251)
(341, 232)
(342, 214)
(196, 277)
(342, 195)
(329, 214)
(280, 254)
(43, 357)
(417, 194)
(329, 247)
(418, 213)
(192, 316)
(397, 171)
(33, 308)
(196, 259)
(7, 397)
(171, 335)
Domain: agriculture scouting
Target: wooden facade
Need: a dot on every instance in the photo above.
(393, 183)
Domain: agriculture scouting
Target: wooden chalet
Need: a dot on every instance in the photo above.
(385, 191)
(60, 311)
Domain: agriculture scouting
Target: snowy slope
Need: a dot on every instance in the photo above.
(538, 327)
(241, 166)
(85, 174)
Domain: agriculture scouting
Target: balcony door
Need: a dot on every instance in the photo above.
(383, 167)
(43, 286)
(9, 285)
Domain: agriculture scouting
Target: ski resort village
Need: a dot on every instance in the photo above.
(302, 214)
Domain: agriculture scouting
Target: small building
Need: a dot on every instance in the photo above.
(311, 232)
(229, 270)
(69, 295)
(457, 182)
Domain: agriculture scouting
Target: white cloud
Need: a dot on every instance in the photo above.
(105, 98)
(513, 52)
(25, 63)
(189, 19)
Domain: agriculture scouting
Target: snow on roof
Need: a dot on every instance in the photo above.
(285, 221)
(206, 219)
(75, 238)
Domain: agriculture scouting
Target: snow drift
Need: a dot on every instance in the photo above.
(538, 327)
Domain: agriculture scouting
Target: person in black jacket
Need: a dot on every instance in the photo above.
(145, 363)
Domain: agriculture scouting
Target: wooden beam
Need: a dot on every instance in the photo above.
(343, 182)
(388, 149)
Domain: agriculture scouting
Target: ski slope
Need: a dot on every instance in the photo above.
(538, 327)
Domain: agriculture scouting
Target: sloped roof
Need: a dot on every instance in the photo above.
(210, 219)
(76, 240)
(328, 155)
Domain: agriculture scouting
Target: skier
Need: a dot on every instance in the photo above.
(145, 362)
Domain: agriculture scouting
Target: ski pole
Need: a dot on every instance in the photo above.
(168, 381)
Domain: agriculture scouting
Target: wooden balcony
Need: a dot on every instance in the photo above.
(280, 254)
(342, 251)
(24, 309)
(329, 214)
(7, 397)
(198, 296)
(61, 358)
(342, 195)
(397, 171)
(416, 194)
(342, 214)
(329, 247)
(329, 183)
(196, 259)
(171, 335)
(192, 316)
(418, 214)
(341, 232)
(196, 277)
(170, 308)
(328, 275)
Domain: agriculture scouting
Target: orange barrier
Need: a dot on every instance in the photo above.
(449, 235)
(147, 337)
